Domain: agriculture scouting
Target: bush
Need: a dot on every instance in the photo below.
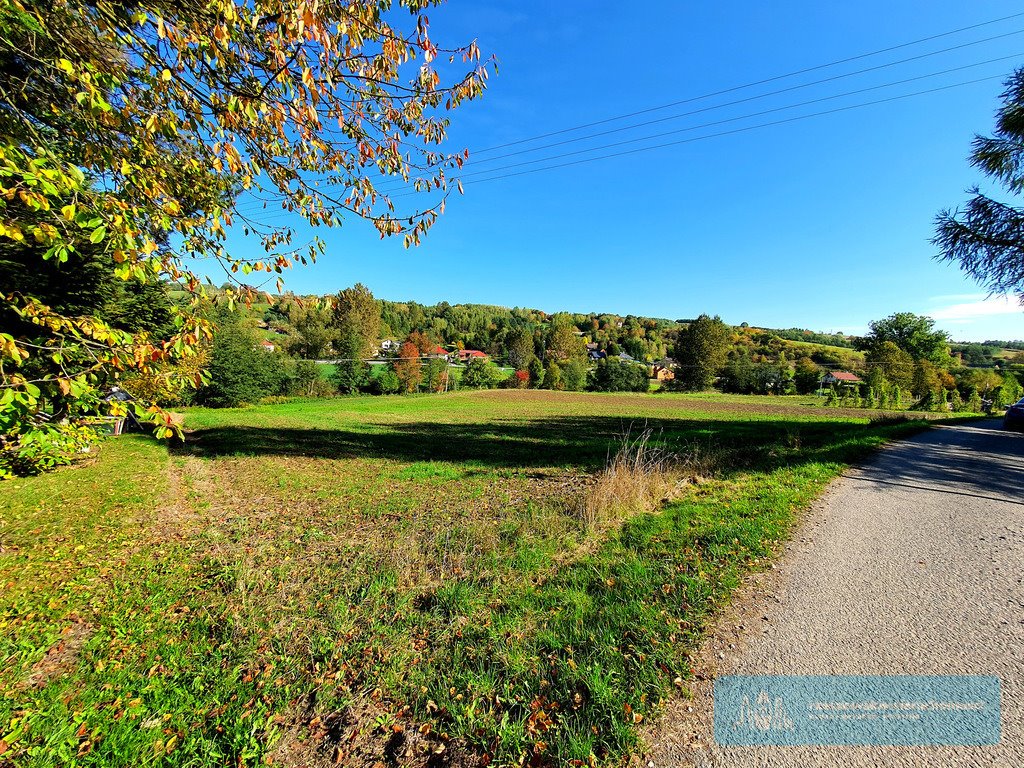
(1008, 393)
(481, 374)
(240, 371)
(536, 372)
(386, 382)
(43, 448)
(973, 404)
(435, 375)
(552, 376)
(614, 375)
(956, 403)
(518, 380)
(306, 380)
(350, 376)
(169, 384)
(574, 376)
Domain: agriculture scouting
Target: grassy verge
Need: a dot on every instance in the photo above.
(395, 579)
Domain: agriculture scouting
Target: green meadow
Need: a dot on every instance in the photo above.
(459, 579)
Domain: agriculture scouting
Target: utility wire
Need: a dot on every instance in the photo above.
(737, 118)
(744, 86)
(733, 89)
(400, 184)
(728, 133)
(706, 136)
(771, 93)
(283, 214)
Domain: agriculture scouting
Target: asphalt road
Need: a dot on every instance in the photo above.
(912, 564)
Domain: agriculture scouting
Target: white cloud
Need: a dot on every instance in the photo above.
(946, 297)
(984, 307)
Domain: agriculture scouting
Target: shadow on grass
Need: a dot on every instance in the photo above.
(577, 441)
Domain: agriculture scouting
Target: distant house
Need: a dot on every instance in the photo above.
(389, 345)
(465, 355)
(437, 352)
(266, 346)
(626, 357)
(592, 346)
(840, 378)
(597, 354)
(663, 373)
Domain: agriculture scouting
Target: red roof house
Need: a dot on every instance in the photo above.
(840, 377)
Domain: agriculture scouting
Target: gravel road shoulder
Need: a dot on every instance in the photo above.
(910, 564)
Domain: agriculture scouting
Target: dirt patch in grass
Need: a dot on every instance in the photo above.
(368, 735)
(62, 656)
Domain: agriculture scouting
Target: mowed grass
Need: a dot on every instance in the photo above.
(401, 579)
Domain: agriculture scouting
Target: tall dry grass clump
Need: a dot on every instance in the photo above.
(639, 477)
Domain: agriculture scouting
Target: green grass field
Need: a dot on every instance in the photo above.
(844, 352)
(407, 580)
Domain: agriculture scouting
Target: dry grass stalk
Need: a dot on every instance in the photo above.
(638, 478)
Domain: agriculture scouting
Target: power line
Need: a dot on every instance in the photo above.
(399, 183)
(734, 131)
(774, 93)
(282, 214)
(744, 86)
(739, 117)
(720, 133)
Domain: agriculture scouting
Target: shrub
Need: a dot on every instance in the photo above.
(613, 375)
(552, 376)
(169, 384)
(973, 404)
(240, 371)
(956, 403)
(807, 376)
(536, 371)
(481, 374)
(574, 375)
(43, 448)
(435, 375)
(518, 380)
(350, 376)
(306, 380)
(386, 382)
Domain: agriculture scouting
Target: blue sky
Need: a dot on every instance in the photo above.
(821, 223)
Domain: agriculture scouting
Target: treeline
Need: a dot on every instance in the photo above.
(824, 339)
(384, 347)
(906, 363)
(496, 331)
(1017, 345)
(271, 351)
(988, 354)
